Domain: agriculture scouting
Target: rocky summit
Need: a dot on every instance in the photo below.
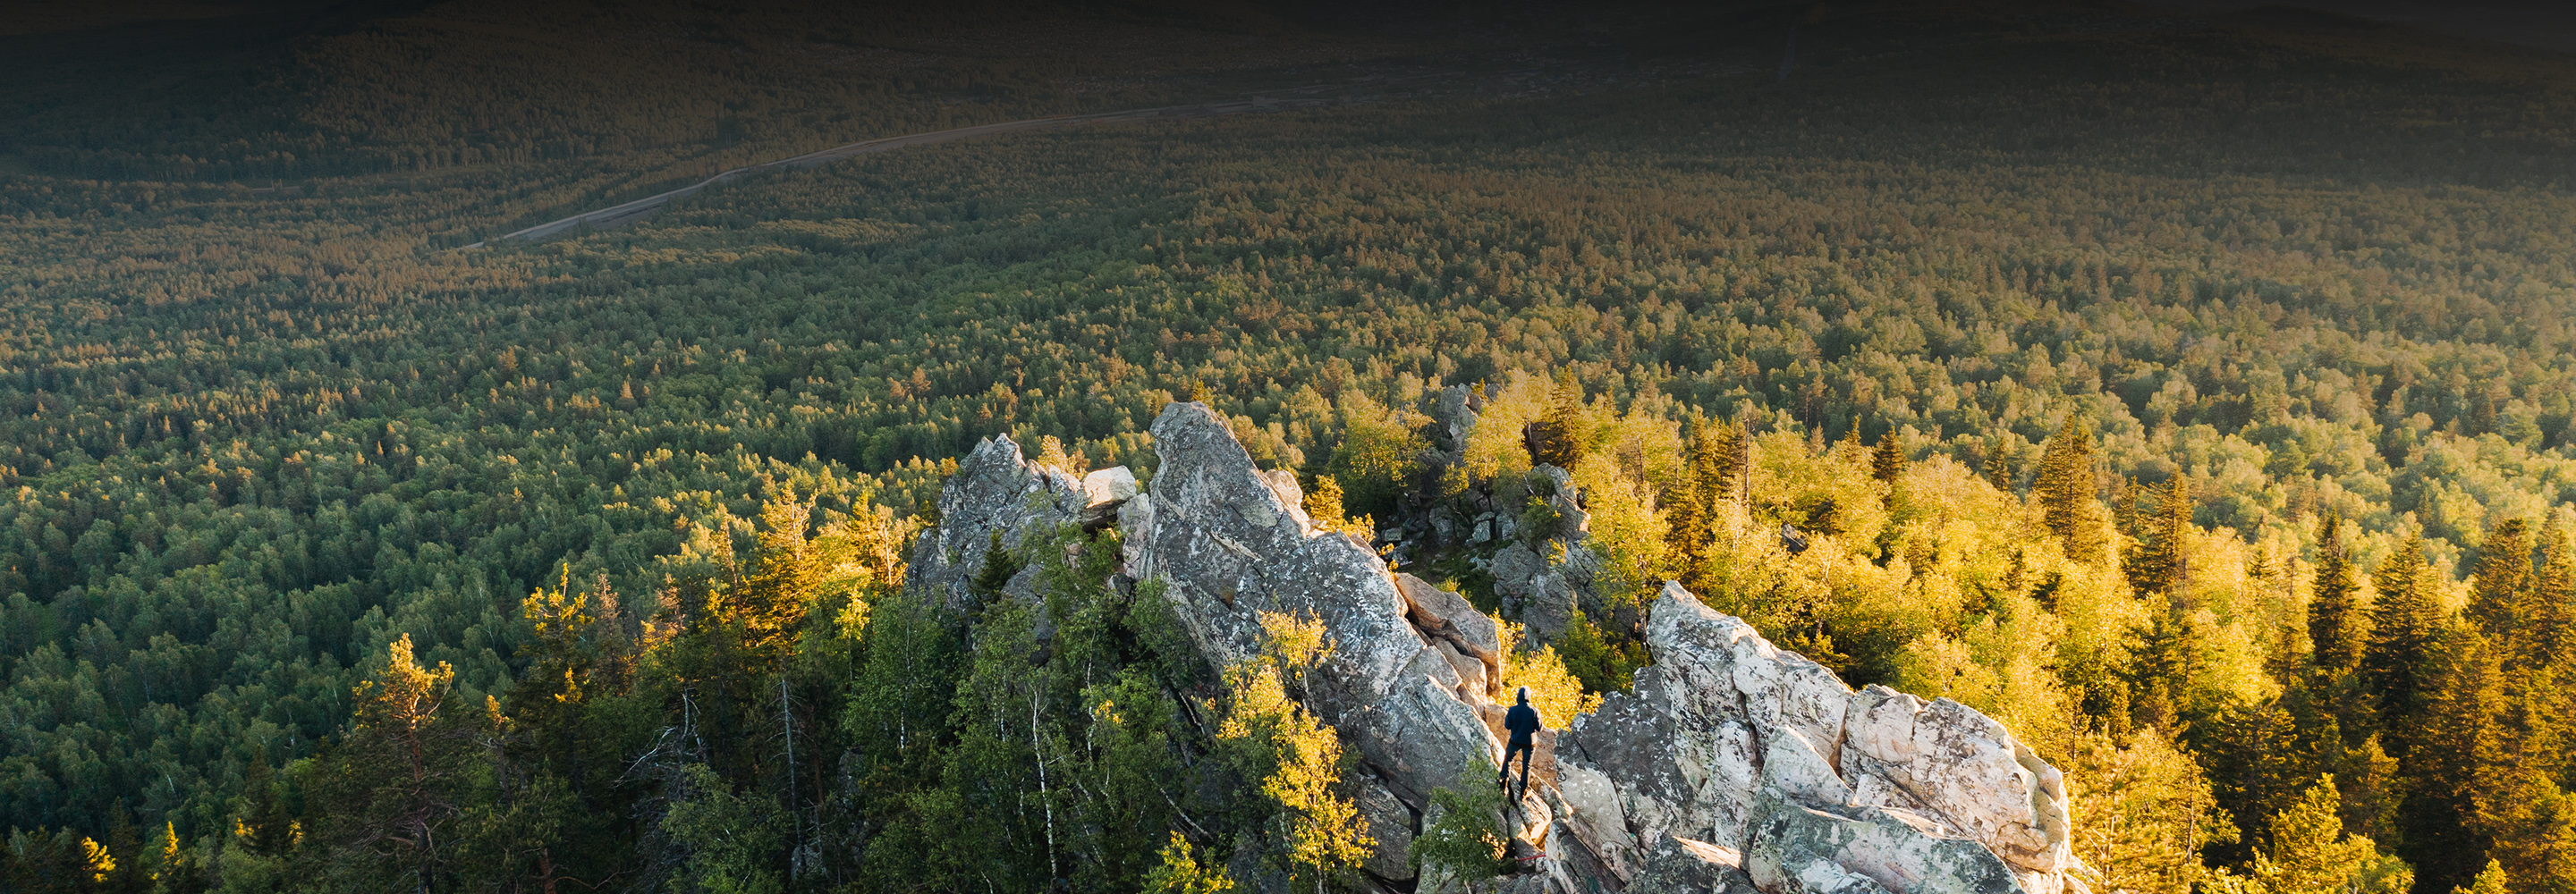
(1731, 765)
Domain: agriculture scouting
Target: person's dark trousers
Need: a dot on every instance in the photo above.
(1523, 750)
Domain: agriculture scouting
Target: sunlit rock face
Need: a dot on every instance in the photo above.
(1731, 765)
(1232, 541)
(995, 490)
(1728, 740)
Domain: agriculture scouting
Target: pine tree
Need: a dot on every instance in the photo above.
(1734, 468)
(2463, 710)
(1888, 461)
(2504, 571)
(2162, 566)
(2546, 606)
(2066, 489)
(1998, 469)
(1685, 508)
(2335, 623)
(1557, 437)
(2404, 624)
(771, 601)
(2310, 854)
(391, 793)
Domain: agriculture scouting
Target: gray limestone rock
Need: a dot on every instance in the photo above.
(1512, 568)
(1686, 866)
(1449, 616)
(1390, 823)
(1817, 849)
(1548, 608)
(995, 489)
(1104, 491)
(1232, 543)
(1453, 419)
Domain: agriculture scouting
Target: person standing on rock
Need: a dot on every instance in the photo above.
(1522, 721)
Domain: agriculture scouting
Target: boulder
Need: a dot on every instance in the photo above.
(1451, 617)
(1548, 609)
(1819, 849)
(1104, 491)
(1948, 760)
(1454, 419)
(1512, 568)
(1725, 737)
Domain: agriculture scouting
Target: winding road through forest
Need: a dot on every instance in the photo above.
(631, 211)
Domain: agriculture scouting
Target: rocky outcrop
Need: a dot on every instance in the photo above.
(1731, 766)
(995, 490)
(1727, 739)
(1232, 541)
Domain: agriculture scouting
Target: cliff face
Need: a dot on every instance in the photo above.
(1731, 765)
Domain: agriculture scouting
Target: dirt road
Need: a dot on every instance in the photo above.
(631, 211)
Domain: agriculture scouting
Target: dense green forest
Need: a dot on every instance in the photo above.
(2194, 395)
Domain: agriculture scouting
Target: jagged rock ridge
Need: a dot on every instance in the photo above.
(1731, 765)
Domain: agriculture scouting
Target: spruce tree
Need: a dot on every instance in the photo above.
(2464, 709)
(2162, 565)
(2066, 489)
(1685, 519)
(2504, 570)
(1888, 461)
(2546, 608)
(1557, 437)
(1998, 470)
(2404, 624)
(2334, 615)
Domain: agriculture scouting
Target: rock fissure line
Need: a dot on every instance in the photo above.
(1731, 765)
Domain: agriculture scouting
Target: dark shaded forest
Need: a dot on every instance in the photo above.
(2194, 395)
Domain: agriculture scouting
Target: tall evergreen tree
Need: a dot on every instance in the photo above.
(1998, 469)
(1888, 460)
(2162, 565)
(2546, 607)
(2504, 571)
(1557, 437)
(2405, 623)
(2335, 622)
(2066, 488)
(2464, 708)
(1685, 514)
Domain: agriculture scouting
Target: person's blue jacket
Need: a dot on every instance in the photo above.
(1522, 720)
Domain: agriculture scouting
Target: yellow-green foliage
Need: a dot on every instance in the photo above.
(2141, 812)
(1180, 872)
(2310, 854)
(1304, 756)
(1494, 451)
(1380, 450)
(1556, 694)
(1627, 531)
(1828, 493)
(1324, 507)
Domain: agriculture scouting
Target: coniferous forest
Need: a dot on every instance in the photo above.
(2195, 393)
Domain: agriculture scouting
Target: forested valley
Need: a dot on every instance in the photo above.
(2195, 395)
